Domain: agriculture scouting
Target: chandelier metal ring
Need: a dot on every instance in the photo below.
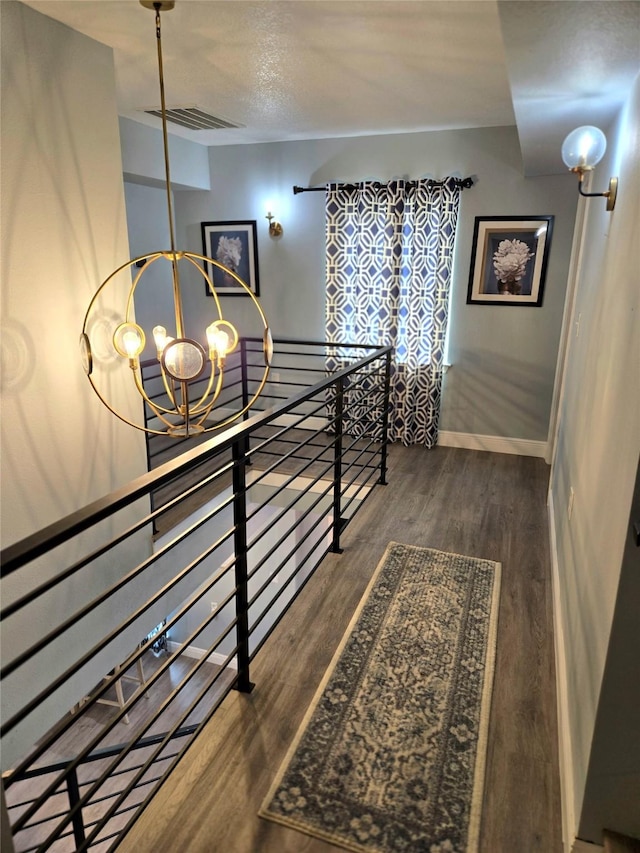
(108, 334)
(120, 325)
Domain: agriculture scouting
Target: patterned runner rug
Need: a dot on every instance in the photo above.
(390, 756)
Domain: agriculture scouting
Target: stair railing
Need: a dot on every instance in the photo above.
(278, 491)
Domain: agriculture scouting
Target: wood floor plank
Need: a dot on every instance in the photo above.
(471, 502)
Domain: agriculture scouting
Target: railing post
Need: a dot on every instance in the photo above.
(385, 420)
(243, 684)
(73, 791)
(6, 836)
(244, 374)
(337, 468)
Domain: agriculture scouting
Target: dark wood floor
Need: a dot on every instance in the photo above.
(470, 502)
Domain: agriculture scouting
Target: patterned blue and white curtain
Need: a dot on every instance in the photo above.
(389, 260)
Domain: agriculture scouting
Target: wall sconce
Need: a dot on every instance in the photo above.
(583, 148)
(275, 228)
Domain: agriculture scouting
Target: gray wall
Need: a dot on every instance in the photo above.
(148, 228)
(612, 789)
(503, 358)
(143, 158)
(63, 232)
(597, 456)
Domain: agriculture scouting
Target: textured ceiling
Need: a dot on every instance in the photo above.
(305, 69)
(569, 63)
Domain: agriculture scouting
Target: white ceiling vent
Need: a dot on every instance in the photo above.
(194, 118)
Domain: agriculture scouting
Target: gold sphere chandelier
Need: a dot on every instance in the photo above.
(110, 335)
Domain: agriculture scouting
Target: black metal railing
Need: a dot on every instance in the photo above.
(244, 520)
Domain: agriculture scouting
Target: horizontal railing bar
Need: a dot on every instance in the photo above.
(48, 819)
(283, 538)
(293, 369)
(354, 497)
(98, 552)
(290, 383)
(255, 569)
(58, 732)
(352, 448)
(288, 604)
(102, 598)
(97, 755)
(295, 443)
(358, 459)
(283, 430)
(128, 747)
(270, 469)
(200, 696)
(297, 456)
(106, 838)
(362, 467)
(123, 770)
(109, 683)
(282, 589)
(113, 794)
(39, 543)
(306, 343)
(359, 453)
(39, 846)
(149, 740)
(326, 371)
(99, 821)
(287, 485)
(283, 487)
(290, 454)
(283, 562)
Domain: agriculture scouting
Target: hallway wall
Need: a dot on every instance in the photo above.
(597, 456)
(63, 232)
(503, 357)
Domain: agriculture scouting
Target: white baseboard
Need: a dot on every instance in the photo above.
(493, 443)
(195, 652)
(567, 790)
(580, 846)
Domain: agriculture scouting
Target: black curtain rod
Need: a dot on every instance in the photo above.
(463, 183)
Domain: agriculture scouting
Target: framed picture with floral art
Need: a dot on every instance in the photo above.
(509, 260)
(235, 245)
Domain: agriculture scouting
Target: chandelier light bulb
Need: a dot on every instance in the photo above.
(129, 340)
(131, 343)
(222, 343)
(222, 338)
(212, 337)
(160, 337)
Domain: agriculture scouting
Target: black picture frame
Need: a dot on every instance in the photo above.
(513, 273)
(239, 253)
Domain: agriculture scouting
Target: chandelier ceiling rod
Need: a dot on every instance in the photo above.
(158, 7)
